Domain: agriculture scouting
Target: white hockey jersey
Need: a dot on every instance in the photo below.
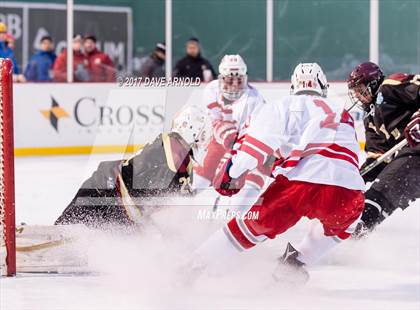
(315, 137)
(239, 111)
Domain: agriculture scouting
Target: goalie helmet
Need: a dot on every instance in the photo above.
(193, 124)
(309, 77)
(233, 79)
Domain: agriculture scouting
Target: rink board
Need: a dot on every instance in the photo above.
(71, 119)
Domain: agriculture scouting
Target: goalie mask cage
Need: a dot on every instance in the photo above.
(7, 194)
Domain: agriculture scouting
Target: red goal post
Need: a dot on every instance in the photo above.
(7, 184)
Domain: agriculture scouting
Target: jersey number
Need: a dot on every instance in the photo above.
(328, 122)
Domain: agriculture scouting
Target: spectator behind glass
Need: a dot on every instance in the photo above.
(80, 62)
(10, 40)
(153, 65)
(5, 50)
(193, 64)
(39, 68)
(100, 66)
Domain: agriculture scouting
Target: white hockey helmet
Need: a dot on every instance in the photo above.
(193, 124)
(309, 77)
(233, 79)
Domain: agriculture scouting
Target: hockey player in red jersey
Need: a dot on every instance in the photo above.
(230, 101)
(317, 176)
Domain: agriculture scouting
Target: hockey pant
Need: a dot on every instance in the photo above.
(395, 187)
(203, 176)
(283, 204)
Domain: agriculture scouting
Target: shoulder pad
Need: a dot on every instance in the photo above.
(396, 78)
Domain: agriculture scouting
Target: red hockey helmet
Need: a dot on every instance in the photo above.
(363, 83)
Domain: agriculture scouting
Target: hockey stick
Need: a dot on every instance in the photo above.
(216, 203)
(384, 157)
(44, 245)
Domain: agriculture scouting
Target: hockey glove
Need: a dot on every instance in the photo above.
(412, 131)
(224, 184)
(225, 133)
(270, 163)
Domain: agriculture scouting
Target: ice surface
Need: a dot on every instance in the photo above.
(142, 272)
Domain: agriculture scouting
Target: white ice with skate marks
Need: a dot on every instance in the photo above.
(142, 272)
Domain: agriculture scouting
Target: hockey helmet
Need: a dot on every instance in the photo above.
(309, 78)
(193, 124)
(233, 79)
(363, 83)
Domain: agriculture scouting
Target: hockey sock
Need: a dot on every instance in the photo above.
(315, 244)
(217, 253)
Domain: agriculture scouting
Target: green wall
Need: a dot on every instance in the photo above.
(223, 27)
(399, 35)
(148, 21)
(334, 33)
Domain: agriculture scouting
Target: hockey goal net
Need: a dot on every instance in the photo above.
(7, 195)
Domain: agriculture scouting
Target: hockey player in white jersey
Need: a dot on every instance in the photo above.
(230, 101)
(316, 175)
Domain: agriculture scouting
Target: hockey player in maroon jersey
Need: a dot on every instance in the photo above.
(392, 107)
(317, 176)
(115, 191)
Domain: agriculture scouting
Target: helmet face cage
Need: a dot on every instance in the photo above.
(232, 77)
(203, 135)
(201, 140)
(232, 86)
(360, 95)
(197, 134)
(180, 125)
(193, 124)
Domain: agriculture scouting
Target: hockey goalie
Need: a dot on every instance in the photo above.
(116, 190)
(114, 197)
